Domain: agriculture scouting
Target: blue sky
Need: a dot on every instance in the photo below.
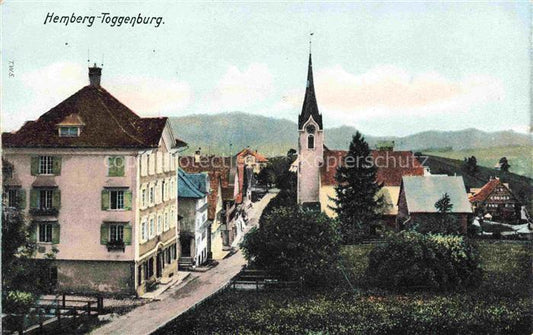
(387, 68)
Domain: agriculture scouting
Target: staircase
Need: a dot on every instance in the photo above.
(185, 263)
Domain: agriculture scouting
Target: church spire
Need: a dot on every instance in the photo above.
(310, 106)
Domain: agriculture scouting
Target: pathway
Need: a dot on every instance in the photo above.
(177, 300)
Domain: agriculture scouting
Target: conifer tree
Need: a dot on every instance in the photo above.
(358, 203)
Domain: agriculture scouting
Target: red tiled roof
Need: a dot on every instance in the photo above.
(392, 166)
(487, 190)
(108, 124)
(259, 157)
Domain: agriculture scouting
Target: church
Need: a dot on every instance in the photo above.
(317, 164)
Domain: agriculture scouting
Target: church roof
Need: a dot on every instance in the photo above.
(310, 106)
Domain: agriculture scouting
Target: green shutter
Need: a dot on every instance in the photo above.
(33, 232)
(116, 166)
(105, 200)
(22, 198)
(34, 198)
(34, 165)
(104, 233)
(56, 165)
(127, 200)
(56, 198)
(127, 234)
(56, 232)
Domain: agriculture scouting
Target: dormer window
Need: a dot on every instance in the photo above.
(69, 131)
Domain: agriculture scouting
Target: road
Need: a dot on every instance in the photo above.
(177, 300)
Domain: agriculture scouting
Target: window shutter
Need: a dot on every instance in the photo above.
(105, 200)
(22, 198)
(56, 165)
(127, 234)
(56, 198)
(34, 198)
(55, 233)
(33, 232)
(34, 165)
(127, 200)
(104, 233)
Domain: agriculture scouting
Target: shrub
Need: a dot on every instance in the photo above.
(410, 260)
(294, 244)
(17, 302)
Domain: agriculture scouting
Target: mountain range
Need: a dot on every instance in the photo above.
(226, 133)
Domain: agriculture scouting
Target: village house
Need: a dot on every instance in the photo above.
(317, 164)
(418, 195)
(497, 199)
(98, 183)
(194, 226)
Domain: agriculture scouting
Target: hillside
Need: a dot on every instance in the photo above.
(214, 133)
(520, 185)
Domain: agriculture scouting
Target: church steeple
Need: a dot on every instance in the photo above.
(310, 106)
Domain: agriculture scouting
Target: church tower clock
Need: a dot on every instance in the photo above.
(310, 147)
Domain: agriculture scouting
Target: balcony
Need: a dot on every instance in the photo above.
(116, 246)
(44, 211)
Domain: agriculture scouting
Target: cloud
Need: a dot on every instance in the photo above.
(238, 90)
(146, 96)
(387, 91)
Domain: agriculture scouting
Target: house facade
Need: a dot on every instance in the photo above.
(418, 195)
(497, 199)
(98, 185)
(193, 190)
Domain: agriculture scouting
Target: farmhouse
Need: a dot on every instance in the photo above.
(497, 199)
(100, 184)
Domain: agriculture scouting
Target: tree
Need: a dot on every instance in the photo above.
(470, 165)
(504, 164)
(357, 203)
(266, 177)
(295, 245)
(292, 155)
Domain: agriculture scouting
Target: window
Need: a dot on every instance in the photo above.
(46, 165)
(166, 222)
(168, 259)
(45, 199)
(152, 227)
(163, 185)
(69, 131)
(310, 142)
(151, 267)
(45, 232)
(139, 275)
(173, 250)
(116, 199)
(151, 195)
(143, 197)
(171, 222)
(116, 233)
(144, 231)
(159, 224)
(12, 197)
(171, 188)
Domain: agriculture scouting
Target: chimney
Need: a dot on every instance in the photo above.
(197, 154)
(95, 73)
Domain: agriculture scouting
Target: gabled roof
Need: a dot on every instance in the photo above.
(188, 187)
(392, 166)
(310, 106)
(245, 152)
(487, 189)
(107, 124)
(422, 192)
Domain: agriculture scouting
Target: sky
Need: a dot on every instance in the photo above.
(386, 68)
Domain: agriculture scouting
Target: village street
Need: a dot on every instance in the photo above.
(177, 300)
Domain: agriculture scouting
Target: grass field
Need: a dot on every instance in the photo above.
(500, 305)
(520, 157)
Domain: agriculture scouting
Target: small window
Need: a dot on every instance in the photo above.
(116, 233)
(46, 165)
(144, 231)
(69, 131)
(151, 195)
(163, 185)
(166, 222)
(152, 227)
(143, 197)
(310, 142)
(159, 224)
(116, 199)
(12, 197)
(45, 232)
(45, 199)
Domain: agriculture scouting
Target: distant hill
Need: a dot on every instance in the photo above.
(214, 133)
